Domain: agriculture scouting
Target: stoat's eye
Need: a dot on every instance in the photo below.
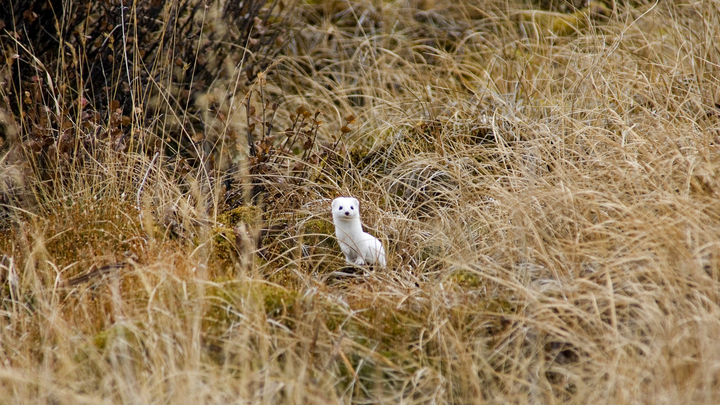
(340, 207)
(352, 208)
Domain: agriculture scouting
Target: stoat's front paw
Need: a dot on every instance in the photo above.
(359, 261)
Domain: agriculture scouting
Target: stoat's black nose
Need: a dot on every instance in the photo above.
(347, 212)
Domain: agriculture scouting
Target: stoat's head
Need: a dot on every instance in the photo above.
(345, 208)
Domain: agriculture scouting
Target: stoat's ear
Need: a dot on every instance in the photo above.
(356, 203)
(335, 203)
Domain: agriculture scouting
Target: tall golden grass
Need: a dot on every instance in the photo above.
(545, 181)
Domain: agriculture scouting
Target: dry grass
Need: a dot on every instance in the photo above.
(546, 185)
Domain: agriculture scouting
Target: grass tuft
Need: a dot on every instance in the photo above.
(543, 176)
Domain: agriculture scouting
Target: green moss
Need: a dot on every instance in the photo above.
(466, 279)
(234, 216)
(568, 24)
(320, 233)
(557, 23)
(226, 246)
(320, 247)
(104, 339)
(73, 234)
(278, 302)
(319, 226)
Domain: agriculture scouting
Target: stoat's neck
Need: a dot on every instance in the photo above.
(351, 227)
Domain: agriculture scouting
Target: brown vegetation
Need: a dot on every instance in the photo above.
(545, 179)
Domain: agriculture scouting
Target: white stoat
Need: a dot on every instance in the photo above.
(359, 247)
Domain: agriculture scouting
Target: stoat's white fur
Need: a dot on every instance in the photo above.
(358, 247)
